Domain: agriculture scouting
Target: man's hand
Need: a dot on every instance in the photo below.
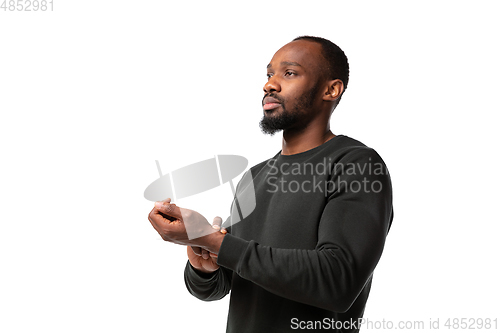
(184, 226)
(201, 259)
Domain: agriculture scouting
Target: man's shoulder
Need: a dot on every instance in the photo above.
(347, 147)
(348, 151)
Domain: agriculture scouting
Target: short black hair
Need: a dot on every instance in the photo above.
(338, 66)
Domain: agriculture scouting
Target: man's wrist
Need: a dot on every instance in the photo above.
(213, 241)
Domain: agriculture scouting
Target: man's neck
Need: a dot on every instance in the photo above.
(294, 142)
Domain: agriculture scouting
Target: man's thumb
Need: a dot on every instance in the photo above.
(217, 223)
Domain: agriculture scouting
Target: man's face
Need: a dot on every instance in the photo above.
(293, 91)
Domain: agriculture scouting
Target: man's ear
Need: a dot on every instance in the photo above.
(335, 89)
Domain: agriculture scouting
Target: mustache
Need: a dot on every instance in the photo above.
(273, 95)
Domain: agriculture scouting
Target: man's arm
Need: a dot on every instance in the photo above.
(208, 286)
(351, 237)
(203, 277)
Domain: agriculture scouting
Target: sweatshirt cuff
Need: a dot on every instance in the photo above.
(231, 252)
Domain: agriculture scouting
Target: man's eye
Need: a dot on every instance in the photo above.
(269, 75)
(289, 73)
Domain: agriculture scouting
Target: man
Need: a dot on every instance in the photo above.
(304, 258)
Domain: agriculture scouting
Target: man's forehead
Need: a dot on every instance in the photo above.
(299, 53)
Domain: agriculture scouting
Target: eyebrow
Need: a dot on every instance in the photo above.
(287, 63)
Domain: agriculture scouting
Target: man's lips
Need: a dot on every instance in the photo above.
(270, 106)
(270, 103)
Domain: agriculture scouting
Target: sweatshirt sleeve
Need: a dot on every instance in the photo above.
(207, 287)
(351, 236)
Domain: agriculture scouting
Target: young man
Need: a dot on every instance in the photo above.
(304, 258)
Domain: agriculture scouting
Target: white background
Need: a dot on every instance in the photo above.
(94, 92)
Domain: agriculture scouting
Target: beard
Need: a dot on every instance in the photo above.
(273, 122)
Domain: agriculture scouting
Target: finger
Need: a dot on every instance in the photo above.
(167, 200)
(150, 218)
(168, 209)
(217, 223)
(157, 220)
(205, 254)
(196, 250)
(161, 224)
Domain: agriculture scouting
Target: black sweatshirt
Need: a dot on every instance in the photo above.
(304, 257)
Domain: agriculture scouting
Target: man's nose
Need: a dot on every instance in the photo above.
(272, 85)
